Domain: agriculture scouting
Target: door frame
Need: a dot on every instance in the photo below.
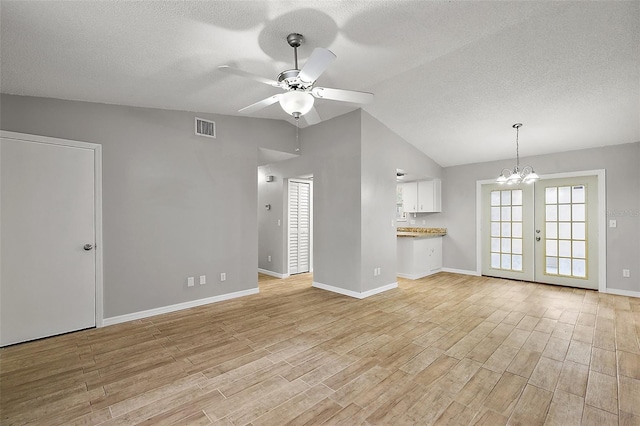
(601, 220)
(97, 162)
(310, 182)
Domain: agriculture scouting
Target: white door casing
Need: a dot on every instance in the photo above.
(50, 203)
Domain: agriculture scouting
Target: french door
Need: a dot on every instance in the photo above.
(546, 232)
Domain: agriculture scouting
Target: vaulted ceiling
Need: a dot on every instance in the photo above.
(449, 77)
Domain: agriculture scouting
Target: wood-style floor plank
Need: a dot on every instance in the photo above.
(446, 349)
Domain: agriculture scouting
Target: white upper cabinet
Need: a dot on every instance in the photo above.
(422, 197)
(410, 196)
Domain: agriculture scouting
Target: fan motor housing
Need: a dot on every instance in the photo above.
(290, 80)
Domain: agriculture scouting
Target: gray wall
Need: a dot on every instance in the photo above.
(271, 236)
(621, 163)
(353, 159)
(331, 152)
(382, 153)
(174, 204)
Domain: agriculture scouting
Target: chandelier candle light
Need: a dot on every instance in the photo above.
(517, 175)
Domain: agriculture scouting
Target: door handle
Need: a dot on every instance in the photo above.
(88, 247)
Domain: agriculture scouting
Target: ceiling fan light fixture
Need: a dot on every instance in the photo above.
(296, 102)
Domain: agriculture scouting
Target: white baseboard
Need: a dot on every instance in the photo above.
(177, 307)
(618, 292)
(461, 271)
(419, 275)
(272, 274)
(413, 276)
(355, 294)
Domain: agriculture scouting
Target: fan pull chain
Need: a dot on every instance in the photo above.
(297, 137)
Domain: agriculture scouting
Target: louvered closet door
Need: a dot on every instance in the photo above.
(299, 226)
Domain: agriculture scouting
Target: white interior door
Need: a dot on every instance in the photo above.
(547, 232)
(48, 276)
(299, 227)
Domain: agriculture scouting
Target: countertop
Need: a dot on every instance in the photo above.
(421, 232)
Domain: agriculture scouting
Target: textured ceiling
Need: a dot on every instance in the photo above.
(449, 77)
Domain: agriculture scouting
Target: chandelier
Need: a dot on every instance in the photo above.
(517, 174)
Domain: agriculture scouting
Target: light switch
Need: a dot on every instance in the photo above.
(613, 223)
(203, 279)
(190, 281)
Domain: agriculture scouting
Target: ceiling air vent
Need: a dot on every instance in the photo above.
(205, 128)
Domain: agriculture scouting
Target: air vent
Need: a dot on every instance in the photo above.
(205, 128)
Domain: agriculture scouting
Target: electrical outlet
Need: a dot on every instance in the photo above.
(413, 222)
(626, 273)
(424, 222)
(223, 276)
(278, 222)
(190, 281)
(378, 271)
(203, 279)
(268, 258)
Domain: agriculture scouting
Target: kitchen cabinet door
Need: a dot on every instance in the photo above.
(435, 254)
(429, 196)
(410, 197)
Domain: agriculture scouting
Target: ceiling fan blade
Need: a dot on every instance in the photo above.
(260, 104)
(312, 117)
(342, 95)
(319, 60)
(241, 73)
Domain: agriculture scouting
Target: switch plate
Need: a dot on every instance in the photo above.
(190, 282)
(613, 223)
(203, 279)
(268, 258)
(223, 276)
(278, 222)
(375, 272)
(626, 273)
(413, 222)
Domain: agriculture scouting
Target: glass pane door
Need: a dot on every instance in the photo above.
(567, 232)
(508, 218)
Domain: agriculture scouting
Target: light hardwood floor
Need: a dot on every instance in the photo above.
(447, 349)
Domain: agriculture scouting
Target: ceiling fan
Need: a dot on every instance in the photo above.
(298, 84)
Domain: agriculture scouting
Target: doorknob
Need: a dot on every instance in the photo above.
(537, 238)
(88, 247)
